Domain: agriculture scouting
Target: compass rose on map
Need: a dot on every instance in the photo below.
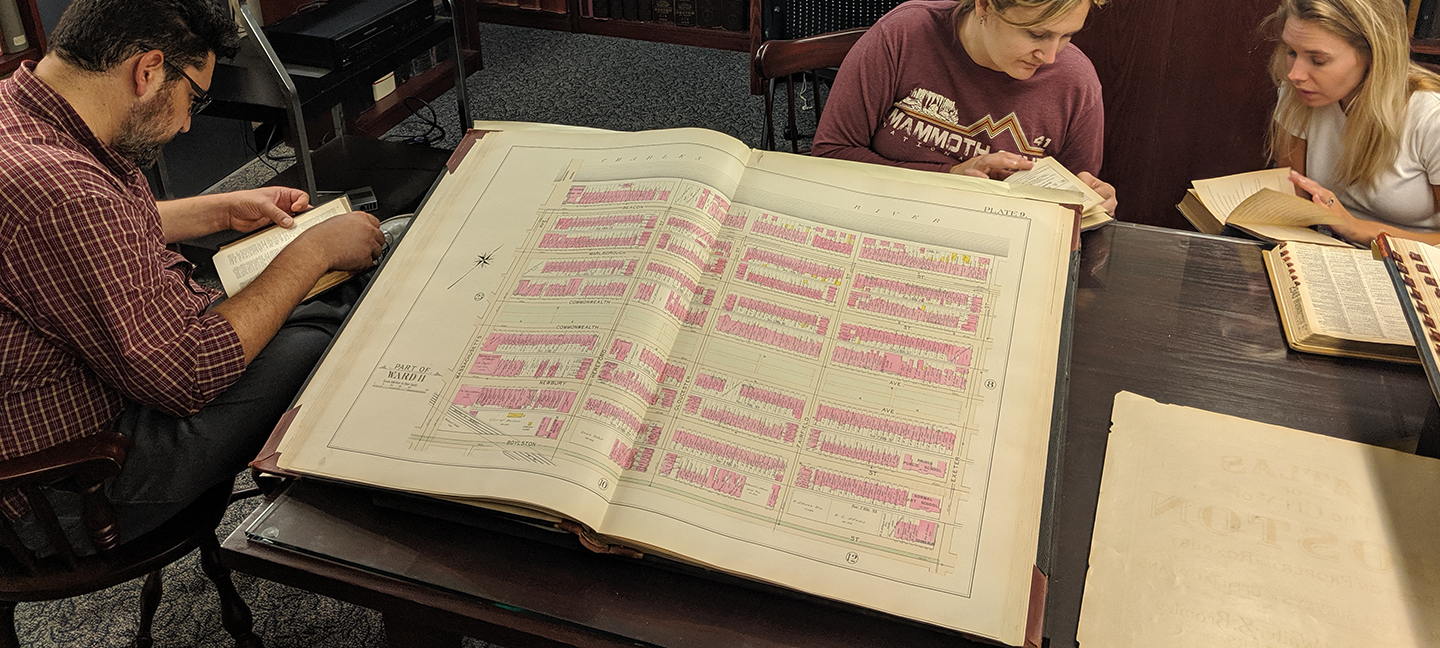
(480, 261)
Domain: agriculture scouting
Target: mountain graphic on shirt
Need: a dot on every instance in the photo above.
(940, 110)
(922, 102)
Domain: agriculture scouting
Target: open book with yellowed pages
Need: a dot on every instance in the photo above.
(240, 262)
(1047, 181)
(1048, 172)
(797, 370)
(1337, 301)
(1213, 530)
(1262, 203)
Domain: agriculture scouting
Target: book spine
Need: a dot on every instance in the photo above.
(601, 8)
(664, 11)
(632, 10)
(684, 13)
(645, 10)
(707, 13)
(529, 4)
(556, 6)
(734, 15)
(587, 9)
(12, 28)
(617, 9)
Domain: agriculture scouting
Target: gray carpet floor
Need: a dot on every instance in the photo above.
(529, 75)
(585, 80)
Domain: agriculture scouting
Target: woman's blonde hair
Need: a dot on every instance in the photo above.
(1049, 9)
(1375, 118)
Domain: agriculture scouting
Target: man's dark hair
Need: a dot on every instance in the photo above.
(96, 35)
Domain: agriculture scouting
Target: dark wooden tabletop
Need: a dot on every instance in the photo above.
(1178, 317)
(1190, 319)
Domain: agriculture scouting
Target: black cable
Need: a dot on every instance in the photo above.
(258, 155)
(432, 123)
(270, 145)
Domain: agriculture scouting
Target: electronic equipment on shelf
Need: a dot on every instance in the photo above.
(336, 34)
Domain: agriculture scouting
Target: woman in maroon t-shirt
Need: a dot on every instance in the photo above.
(978, 87)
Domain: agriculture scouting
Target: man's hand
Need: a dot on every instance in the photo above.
(247, 211)
(349, 242)
(997, 166)
(1100, 187)
(243, 211)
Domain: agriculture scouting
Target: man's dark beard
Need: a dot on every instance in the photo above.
(140, 137)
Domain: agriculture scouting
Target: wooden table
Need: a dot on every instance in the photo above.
(1190, 319)
(1178, 317)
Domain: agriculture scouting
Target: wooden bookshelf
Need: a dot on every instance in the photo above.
(571, 21)
(9, 62)
(34, 32)
(391, 109)
(667, 33)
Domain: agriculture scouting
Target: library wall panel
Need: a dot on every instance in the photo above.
(1187, 96)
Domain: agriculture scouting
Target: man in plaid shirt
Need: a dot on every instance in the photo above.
(101, 324)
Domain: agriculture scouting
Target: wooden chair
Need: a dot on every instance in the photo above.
(82, 466)
(776, 59)
(1426, 52)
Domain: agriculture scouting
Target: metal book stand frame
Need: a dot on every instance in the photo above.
(292, 97)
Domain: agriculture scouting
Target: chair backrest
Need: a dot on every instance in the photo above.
(785, 58)
(804, 18)
(82, 466)
(797, 19)
(1426, 52)
(79, 466)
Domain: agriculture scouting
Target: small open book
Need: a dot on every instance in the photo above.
(1049, 173)
(1262, 203)
(240, 262)
(1338, 301)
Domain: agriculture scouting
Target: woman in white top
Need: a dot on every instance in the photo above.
(1357, 117)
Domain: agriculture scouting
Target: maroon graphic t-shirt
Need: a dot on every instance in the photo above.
(909, 95)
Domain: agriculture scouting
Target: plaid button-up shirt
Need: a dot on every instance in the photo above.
(94, 309)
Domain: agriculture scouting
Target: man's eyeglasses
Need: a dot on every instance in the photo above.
(201, 99)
